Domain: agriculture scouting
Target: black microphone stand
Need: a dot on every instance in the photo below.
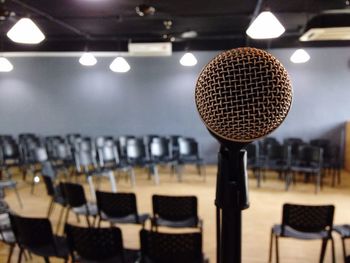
(231, 199)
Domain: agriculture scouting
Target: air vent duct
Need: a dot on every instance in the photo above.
(150, 49)
(333, 25)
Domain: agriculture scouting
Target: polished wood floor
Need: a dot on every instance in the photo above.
(265, 210)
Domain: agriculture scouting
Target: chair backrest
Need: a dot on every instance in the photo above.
(135, 149)
(175, 208)
(32, 232)
(74, 194)
(116, 204)
(188, 147)
(310, 155)
(171, 248)
(308, 218)
(159, 148)
(95, 244)
(40, 154)
(108, 153)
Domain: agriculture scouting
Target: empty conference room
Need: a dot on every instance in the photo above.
(174, 131)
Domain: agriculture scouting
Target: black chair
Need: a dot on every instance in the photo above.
(119, 208)
(344, 232)
(171, 248)
(55, 193)
(309, 162)
(6, 234)
(36, 236)
(254, 162)
(98, 245)
(76, 201)
(108, 157)
(307, 223)
(136, 156)
(189, 154)
(175, 211)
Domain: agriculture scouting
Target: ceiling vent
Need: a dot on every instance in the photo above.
(150, 49)
(333, 25)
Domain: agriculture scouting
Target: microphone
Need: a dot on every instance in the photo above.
(241, 95)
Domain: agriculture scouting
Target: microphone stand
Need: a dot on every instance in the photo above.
(231, 199)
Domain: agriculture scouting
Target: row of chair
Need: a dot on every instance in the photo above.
(100, 155)
(118, 208)
(295, 156)
(103, 245)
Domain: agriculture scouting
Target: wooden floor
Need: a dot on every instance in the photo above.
(264, 211)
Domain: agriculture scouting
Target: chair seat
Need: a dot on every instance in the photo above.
(81, 210)
(130, 219)
(343, 230)
(191, 222)
(290, 232)
(7, 236)
(7, 183)
(61, 250)
(130, 256)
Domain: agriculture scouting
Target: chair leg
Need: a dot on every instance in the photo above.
(333, 250)
(277, 250)
(60, 219)
(88, 221)
(19, 260)
(271, 244)
(18, 197)
(49, 211)
(47, 260)
(12, 247)
(323, 249)
(344, 249)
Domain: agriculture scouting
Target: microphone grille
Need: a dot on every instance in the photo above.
(243, 94)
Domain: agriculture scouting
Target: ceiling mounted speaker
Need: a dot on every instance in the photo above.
(333, 25)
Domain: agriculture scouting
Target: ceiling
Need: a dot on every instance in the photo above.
(108, 25)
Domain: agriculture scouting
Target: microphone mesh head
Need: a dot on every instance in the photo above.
(243, 94)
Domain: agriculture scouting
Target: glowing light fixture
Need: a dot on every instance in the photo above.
(119, 65)
(300, 56)
(188, 60)
(265, 26)
(25, 31)
(87, 59)
(5, 65)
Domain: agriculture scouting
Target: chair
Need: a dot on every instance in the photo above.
(308, 162)
(86, 164)
(305, 222)
(136, 156)
(175, 211)
(119, 208)
(6, 234)
(55, 193)
(171, 248)
(76, 201)
(108, 157)
(254, 162)
(99, 245)
(189, 154)
(344, 232)
(36, 236)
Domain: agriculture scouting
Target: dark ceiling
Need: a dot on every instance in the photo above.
(108, 25)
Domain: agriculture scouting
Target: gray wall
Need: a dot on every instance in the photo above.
(58, 96)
